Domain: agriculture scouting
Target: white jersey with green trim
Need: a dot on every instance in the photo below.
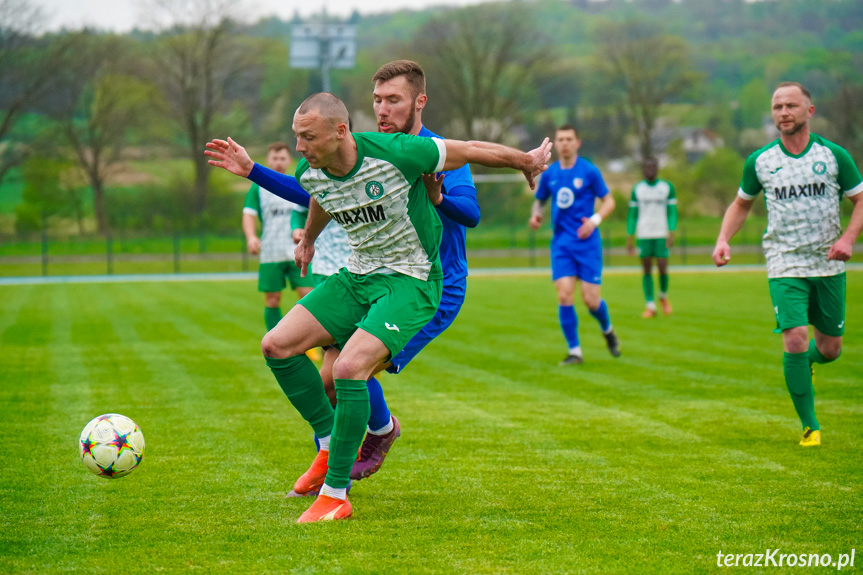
(802, 193)
(331, 248)
(382, 204)
(652, 201)
(277, 245)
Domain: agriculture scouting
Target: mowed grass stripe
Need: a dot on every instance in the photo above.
(507, 464)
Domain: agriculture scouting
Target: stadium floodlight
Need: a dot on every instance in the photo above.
(325, 46)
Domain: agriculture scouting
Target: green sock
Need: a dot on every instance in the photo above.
(798, 379)
(272, 316)
(301, 382)
(352, 415)
(647, 286)
(815, 355)
(663, 283)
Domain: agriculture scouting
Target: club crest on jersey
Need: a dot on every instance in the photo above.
(565, 197)
(374, 190)
(578, 183)
(819, 167)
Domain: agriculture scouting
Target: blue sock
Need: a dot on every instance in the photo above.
(569, 325)
(380, 413)
(601, 315)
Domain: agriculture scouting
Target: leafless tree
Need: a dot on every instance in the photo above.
(101, 101)
(28, 68)
(200, 64)
(480, 64)
(647, 68)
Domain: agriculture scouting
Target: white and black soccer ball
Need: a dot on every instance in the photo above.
(111, 445)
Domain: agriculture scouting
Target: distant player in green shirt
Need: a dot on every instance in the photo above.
(804, 178)
(371, 184)
(652, 219)
(276, 245)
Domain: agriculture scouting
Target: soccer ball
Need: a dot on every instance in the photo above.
(111, 445)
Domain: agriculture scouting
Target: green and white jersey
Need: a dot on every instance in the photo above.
(382, 204)
(331, 248)
(802, 193)
(652, 210)
(275, 215)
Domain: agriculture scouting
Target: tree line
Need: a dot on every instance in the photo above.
(110, 128)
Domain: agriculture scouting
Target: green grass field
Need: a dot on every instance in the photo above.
(651, 463)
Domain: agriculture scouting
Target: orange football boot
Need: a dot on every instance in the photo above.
(666, 305)
(311, 481)
(327, 508)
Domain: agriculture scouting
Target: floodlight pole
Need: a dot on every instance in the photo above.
(325, 61)
(318, 42)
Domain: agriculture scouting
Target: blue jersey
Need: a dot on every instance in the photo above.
(573, 192)
(458, 209)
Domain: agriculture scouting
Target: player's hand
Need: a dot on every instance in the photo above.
(297, 235)
(535, 221)
(841, 250)
(721, 254)
(585, 229)
(537, 162)
(669, 241)
(253, 244)
(231, 156)
(303, 254)
(434, 187)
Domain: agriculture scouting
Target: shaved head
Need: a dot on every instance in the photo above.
(329, 107)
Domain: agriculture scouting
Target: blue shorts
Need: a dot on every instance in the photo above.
(576, 258)
(450, 303)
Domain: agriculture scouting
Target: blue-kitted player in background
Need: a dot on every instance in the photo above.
(574, 184)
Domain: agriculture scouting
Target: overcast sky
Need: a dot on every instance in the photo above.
(123, 15)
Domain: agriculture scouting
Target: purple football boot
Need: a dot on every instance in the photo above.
(373, 451)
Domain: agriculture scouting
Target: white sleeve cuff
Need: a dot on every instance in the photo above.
(441, 148)
(855, 190)
(744, 195)
(252, 211)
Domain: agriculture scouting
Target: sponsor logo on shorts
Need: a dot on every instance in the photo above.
(841, 324)
(392, 327)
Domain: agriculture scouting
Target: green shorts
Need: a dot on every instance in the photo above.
(275, 277)
(819, 301)
(391, 307)
(653, 248)
(319, 279)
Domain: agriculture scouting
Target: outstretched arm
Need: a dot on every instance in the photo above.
(284, 186)
(531, 164)
(735, 215)
(231, 156)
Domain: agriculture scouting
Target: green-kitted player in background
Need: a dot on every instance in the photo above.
(652, 219)
(276, 244)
